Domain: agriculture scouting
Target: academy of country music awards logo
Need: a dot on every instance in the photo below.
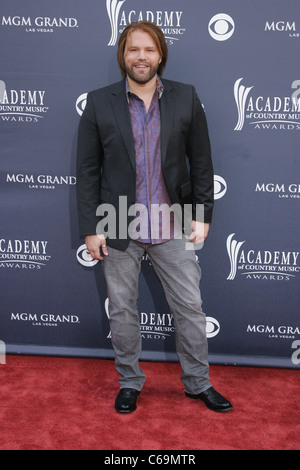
(22, 105)
(267, 112)
(24, 254)
(261, 264)
(221, 26)
(119, 16)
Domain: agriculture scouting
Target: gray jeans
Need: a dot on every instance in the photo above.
(180, 276)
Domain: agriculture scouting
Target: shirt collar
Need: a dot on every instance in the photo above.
(159, 88)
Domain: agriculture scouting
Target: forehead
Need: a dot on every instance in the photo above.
(140, 38)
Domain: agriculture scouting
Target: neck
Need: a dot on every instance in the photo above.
(142, 89)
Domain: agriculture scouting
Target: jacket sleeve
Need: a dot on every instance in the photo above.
(89, 162)
(201, 167)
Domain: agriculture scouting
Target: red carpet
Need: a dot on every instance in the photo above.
(51, 403)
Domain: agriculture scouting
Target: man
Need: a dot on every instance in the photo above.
(134, 137)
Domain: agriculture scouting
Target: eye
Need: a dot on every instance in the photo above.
(221, 27)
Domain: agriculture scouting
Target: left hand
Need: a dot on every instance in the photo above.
(199, 232)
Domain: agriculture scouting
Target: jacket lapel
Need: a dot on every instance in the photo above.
(121, 111)
(167, 113)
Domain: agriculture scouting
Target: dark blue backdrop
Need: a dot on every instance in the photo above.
(243, 58)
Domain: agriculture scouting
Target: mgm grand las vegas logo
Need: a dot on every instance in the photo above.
(121, 15)
(264, 265)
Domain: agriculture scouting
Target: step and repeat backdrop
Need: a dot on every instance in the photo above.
(243, 58)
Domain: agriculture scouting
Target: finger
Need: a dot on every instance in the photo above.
(192, 237)
(104, 250)
(197, 240)
(96, 255)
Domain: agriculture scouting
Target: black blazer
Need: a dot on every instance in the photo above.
(106, 155)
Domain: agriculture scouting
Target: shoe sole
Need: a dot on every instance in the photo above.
(219, 410)
(125, 411)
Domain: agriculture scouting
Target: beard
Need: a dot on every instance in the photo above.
(142, 76)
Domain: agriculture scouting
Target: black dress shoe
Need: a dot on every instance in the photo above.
(213, 400)
(126, 400)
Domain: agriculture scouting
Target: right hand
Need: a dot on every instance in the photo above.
(95, 244)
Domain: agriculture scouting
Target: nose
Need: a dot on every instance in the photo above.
(141, 55)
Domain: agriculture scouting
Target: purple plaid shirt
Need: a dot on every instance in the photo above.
(150, 185)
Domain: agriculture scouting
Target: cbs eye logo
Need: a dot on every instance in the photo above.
(221, 27)
(212, 327)
(84, 258)
(220, 187)
(81, 103)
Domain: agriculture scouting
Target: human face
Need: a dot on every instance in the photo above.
(141, 57)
